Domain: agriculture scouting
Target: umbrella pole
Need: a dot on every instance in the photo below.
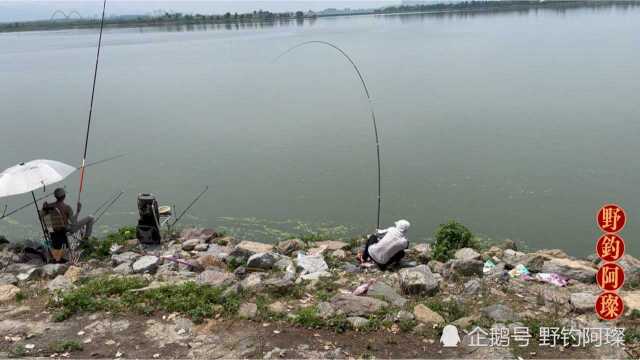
(44, 230)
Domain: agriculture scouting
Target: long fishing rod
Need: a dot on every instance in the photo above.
(104, 160)
(190, 205)
(93, 90)
(366, 91)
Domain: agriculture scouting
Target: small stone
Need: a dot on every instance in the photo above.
(472, 287)
(467, 254)
(425, 315)
(288, 247)
(201, 247)
(73, 273)
(467, 267)
(277, 308)
(583, 302)
(382, 290)
(248, 311)
(123, 269)
(418, 281)
(325, 310)
(31, 274)
(8, 279)
(253, 282)
(128, 256)
(310, 264)
(339, 254)
(357, 305)
(215, 278)
(247, 248)
(263, 261)
(357, 322)
(50, 271)
(60, 283)
(190, 244)
(500, 313)
(578, 270)
(146, 265)
(8, 292)
(404, 315)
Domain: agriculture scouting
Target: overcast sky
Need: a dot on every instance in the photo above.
(13, 10)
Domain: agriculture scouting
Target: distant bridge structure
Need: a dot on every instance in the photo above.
(65, 15)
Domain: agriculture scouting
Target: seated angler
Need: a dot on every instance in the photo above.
(64, 221)
(389, 249)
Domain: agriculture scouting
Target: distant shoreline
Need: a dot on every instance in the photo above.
(267, 18)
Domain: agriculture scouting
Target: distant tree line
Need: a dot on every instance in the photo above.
(266, 17)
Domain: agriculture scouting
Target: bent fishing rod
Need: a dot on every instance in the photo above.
(93, 91)
(370, 102)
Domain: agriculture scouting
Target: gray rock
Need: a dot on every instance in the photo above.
(215, 278)
(509, 244)
(201, 247)
(147, 264)
(31, 274)
(423, 251)
(277, 308)
(253, 282)
(288, 247)
(275, 285)
(472, 287)
(248, 311)
(357, 322)
(19, 268)
(404, 315)
(310, 264)
(583, 302)
(499, 312)
(60, 283)
(353, 305)
(204, 235)
(315, 276)
(513, 258)
(631, 267)
(128, 256)
(425, 315)
(50, 271)
(247, 248)
(220, 252)
(436, 266)
(578, 270)
(418, 281)
(190, 244)
(464, 267)
(123, 269)
(381, 290)
(263, 261)
(8, 279)
(467, 254)
(325, 310)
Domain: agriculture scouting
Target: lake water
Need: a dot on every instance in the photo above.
(519, 125)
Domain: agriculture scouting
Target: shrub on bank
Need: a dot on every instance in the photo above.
(449, 238)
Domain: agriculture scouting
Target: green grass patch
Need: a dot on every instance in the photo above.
(113, 294)
(17, 351)
(449, 310)
(62, 346)
(635, 314)
(100, 248)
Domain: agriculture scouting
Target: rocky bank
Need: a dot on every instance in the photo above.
(200, 295)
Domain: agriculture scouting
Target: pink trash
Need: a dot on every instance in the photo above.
(552, 278)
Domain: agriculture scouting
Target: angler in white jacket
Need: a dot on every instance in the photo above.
(390, 249)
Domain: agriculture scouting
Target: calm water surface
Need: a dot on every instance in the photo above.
(519, 125)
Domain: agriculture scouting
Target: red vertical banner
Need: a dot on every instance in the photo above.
(611, 219)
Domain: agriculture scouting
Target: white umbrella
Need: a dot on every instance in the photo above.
(31, 176)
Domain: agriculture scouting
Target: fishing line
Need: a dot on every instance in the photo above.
(366, 91)
(190, 205)
(113, 201)
(93, 90)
